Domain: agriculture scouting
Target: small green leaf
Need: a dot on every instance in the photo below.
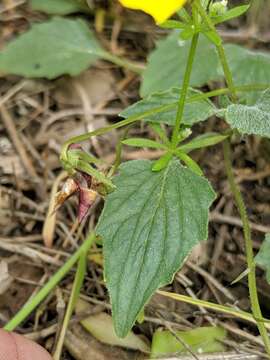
(213, 37)
(202, 141)
(251, 119)
(56, 47)
(206, 339)
(263, 256)
(194, 111)
(140, 142)
(173, 24)
(59, 7)
(248, 67)
(160, 132)
(230, 14)
(187, 32)
(146, 229)
(162, 162)
(189, 162)
(184, 15)
(167, 63)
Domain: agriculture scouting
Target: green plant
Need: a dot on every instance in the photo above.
(156, 211)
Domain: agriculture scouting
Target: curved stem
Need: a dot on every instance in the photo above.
(254, 300)
(184, 89)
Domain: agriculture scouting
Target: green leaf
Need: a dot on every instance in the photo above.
(263, 256)
(56, 47)
(149, 225)
(213, 37)
(187, 32)
(230, 14)
(202, 141)
(162, 162)
(59, 7)
(173, 24)
(158, 130)
(140, 142)
(194, 111)
(201, 340)
(189, 162)
(254, 119)
(166, 64)
(248, 67)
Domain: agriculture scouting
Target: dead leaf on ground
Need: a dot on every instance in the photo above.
(97, 83)
(82, 346)
(101, 327)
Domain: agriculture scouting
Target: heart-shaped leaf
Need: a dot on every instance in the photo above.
(166, 65)
(149, 224)
(56, 47)
(254, 119)
(194, 111)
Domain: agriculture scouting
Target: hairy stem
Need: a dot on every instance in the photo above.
(255, 306)
(184, 89)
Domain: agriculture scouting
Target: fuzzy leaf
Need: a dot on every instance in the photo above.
(149, 224)
(254, 119)
(59, 7)
(166, 64)
(262, 258)
(56, 47)
(194, 111)
(248, 67)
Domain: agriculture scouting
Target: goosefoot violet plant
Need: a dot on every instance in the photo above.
(155, 212)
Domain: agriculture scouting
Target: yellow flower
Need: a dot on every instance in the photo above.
(161, 10)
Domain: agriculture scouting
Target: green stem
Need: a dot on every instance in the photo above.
(26, 310)
(184, 90)
(212, 306)
(220, 49)
(77, 284)
(255, 306)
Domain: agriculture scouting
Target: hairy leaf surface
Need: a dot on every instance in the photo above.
(166, 64)
(253, 119)
(149, 225)
(58, 46)
(194, 111)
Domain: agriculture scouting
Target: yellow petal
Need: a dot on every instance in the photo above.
(161, 10)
